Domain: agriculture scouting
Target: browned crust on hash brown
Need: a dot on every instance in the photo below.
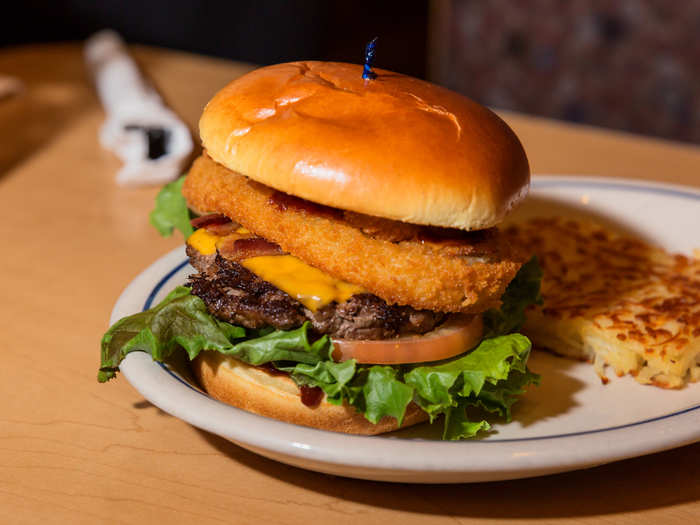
(254, 390)
(615, 300)
(412, 272)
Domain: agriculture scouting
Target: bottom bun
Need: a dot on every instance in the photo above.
(255, 390)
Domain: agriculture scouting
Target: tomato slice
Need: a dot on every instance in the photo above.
(455, 336)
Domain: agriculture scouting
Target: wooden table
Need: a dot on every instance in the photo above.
(74, 451)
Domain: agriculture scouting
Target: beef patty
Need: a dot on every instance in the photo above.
(235, 294)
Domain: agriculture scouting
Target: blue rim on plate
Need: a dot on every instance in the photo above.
(538, 183)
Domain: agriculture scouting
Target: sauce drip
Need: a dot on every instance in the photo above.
(270, 369)
(311, 395)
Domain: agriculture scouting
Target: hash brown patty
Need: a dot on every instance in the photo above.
(615, 301)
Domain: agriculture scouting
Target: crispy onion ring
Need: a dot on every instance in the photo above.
(410, 272)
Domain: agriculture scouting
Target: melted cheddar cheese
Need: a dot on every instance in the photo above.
(308, 285)
(203, 241)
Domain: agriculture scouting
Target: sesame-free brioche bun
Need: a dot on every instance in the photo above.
(255, 390)
(395, 147)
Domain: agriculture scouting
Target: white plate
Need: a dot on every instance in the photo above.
(571, 421)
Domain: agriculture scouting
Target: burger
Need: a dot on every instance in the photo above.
(348, 270)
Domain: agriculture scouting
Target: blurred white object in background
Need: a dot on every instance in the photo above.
(9, 86)
(151, 140)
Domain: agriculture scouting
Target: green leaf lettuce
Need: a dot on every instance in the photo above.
(489, 378)
(170, 211)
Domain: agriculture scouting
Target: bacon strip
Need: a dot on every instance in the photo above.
(226, 228)
(206, 220)
(283, 202)
(215, 223)
(237, 249)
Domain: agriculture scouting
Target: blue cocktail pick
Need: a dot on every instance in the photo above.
(370, 50)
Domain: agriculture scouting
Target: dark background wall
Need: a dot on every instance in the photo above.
(632, 65)
(262, 31)
(626, 64)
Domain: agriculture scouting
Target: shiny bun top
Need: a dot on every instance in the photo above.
(393, 146)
